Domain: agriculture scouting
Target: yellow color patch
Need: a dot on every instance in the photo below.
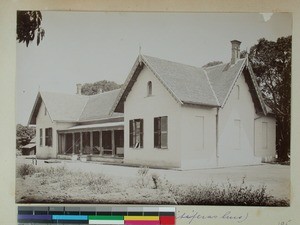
(155, 218)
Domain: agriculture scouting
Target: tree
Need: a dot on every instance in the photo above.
(29, 27)
(24, 135)
(213, 63)
(100, 86)
(271, 62)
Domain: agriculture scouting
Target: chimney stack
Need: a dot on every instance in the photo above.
(235, 51)
(79, 86)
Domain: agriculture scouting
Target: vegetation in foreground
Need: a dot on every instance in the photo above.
(59, 185)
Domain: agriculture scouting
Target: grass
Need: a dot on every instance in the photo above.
(60, 185)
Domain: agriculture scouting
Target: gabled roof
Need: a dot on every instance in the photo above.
(192, 85)
(73, 107)
(189, 84)
(99, 106)
(222, 77)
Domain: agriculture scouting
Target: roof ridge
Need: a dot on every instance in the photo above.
(211, 87)
(84, 107)
(196, 67)
(234, 81)
(63, 93)
(105, 92)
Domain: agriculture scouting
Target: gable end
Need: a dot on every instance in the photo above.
(35, 109)
(257, 98)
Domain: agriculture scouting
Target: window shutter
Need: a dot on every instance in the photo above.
(141, 133)
(131, 133)
(50, 136)
(41, 137)
(164, 132)
(155, 133)
(46, 136)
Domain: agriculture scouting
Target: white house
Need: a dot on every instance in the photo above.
(187, 117)
(77, 125)
(167, 115)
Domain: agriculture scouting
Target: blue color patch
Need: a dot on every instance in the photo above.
(69, 217)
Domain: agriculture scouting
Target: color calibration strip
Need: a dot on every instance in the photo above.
(97, 215)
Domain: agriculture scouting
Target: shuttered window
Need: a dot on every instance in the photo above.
(48, 136)
(161, 132)
(136, 133)
(41, 137)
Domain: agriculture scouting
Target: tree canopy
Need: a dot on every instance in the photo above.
(24, 135)
(29, 27)
(100, 86)
(213, 63)
(271, 63)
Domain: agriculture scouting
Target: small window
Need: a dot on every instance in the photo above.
(48, 136)
(149, 88)
(45, 111)
(41, 137)
(161, 132)
(136, 133)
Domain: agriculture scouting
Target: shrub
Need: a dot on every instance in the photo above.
(224, 194)
(160, 183)
(143, 177)
(25, 169)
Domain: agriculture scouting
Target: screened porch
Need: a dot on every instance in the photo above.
(94, 140)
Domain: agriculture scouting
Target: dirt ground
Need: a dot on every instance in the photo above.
(275, 177)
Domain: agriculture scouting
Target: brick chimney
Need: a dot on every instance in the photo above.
(79, 86)
(235, 51)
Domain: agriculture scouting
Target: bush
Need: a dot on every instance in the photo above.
(224, 194)
(160, 183)
(25, 169)
(143, 177)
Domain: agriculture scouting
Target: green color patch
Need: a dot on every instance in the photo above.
(106, 217)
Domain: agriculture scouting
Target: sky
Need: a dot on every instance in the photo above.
(85, 47)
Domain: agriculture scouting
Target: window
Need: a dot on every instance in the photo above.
(149, 88)
(48, 137)
(136, 132)
(237, 134)
(45, 111)
(264, 135)
(41, 137)
(161, 132)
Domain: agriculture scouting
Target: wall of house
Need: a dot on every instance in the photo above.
(198, 137)
(140, 106)
(44, 121)
(265, 138)
(236, 128)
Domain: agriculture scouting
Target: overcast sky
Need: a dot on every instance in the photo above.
(84, 47)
